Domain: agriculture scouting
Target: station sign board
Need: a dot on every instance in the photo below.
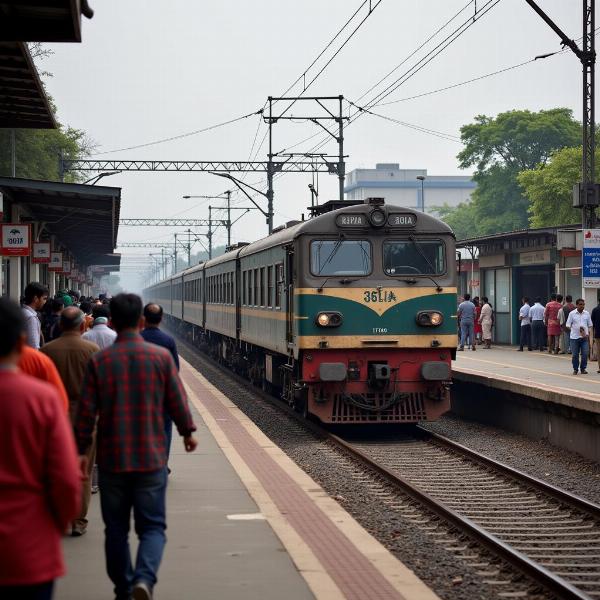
(41, 252)
(56, 262)
(74, 273)
(66, 269)
(590, 258)
(16, 239)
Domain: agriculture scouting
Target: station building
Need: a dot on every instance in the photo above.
(73, 225)
(411, 188)
(528, 262)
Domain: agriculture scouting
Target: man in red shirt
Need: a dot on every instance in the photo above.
(129, 386)
(40, 481)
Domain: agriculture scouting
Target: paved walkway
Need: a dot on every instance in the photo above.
(544, 375)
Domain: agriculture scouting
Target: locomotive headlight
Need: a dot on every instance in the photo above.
(323, 319)
(429, 318)
(377, 218)
(329, 319)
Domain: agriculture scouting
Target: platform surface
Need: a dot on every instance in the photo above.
(244, 521)
(537, 374)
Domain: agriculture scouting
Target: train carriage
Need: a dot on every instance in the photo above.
(350, 315)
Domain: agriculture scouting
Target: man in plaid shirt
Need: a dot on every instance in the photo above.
(129, 386)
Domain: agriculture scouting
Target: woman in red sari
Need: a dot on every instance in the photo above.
(478, 330)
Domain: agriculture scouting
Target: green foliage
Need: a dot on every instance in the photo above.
(37, 152)
(460, 218)
(500, 148)
(549, 187)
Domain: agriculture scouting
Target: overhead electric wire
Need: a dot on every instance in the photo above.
(182, 135)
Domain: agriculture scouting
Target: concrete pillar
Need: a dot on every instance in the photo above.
(15, 284)
(51, 284)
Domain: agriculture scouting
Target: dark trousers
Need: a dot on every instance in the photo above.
(525, 337)
(144, 492)
(580, 345)
(168, 433)
(39, 591)
(538, 334)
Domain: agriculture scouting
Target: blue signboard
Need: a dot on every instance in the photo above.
(590, 258)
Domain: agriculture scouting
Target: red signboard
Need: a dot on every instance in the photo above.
(41, 252)
(56, 262)
(16, 239)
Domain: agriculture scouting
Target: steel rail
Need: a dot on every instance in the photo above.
(538, 573)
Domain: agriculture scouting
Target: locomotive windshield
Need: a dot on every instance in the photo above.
(413, 257)
(340, 257)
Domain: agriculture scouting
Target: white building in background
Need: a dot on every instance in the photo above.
(404, 187)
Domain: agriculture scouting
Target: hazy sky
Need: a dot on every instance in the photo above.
(148, 70)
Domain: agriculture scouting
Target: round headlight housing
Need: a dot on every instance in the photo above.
(429, 318)
(377, 218)
(329, 319)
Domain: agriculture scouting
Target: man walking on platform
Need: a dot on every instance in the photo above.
(71, 354)
(39, 475)
(466, 320)
(563, 316)
(538, 331)
(552, 323)
(153, 314)
(100, 333)
(129, 386)
(525, 325)
(36, 295)
(579, 323)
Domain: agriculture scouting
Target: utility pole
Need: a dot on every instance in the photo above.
(270, 165)
(228, 192)
(189, 248)
(340, 141)
(586, 194)
(210, 232)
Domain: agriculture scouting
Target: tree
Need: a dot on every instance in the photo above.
(549, 188)
(500, 148)
(460, 218)
(37, 151)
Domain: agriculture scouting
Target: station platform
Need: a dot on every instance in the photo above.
(531, 393)
(535, 374)
(244, 521)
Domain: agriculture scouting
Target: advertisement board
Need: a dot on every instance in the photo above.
(590, 258)
(56, 262)
(16, 239)
(41, 252)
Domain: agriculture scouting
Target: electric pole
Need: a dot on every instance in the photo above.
(228, 218)
(210, 232)
(586, 194)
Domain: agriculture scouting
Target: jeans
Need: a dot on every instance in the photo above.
(525, 336)
(580, 345)
(467, 331)
(168, 433)
(39, 591)
(538, 333)
(144, 492)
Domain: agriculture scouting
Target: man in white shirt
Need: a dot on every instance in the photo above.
(101, 334)
(36, 295)
(578, 324)
(525, 325)
(538, 329)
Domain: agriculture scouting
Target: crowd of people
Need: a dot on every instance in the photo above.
(558, 327)
(84, 381)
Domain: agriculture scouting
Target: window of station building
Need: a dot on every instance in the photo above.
(414, 257)
(278, 284)
(269, 286)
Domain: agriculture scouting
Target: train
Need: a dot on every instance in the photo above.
(349, 315)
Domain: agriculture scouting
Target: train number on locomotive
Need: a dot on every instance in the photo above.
(379, 296)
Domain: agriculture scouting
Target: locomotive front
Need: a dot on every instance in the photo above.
(375, 315)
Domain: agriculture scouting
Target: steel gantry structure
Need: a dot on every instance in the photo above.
(173, 222)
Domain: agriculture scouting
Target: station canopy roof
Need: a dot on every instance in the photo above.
(23, 101)
(510, 235)
(42, 20)
(84, 218)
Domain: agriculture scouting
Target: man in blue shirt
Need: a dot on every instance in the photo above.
(466, 320)
(153, 314)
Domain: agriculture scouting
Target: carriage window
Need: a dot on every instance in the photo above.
(340, 257)
(413, 257)
(269, 286)
(278, 284)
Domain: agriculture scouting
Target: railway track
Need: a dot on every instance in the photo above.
(548, 534)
